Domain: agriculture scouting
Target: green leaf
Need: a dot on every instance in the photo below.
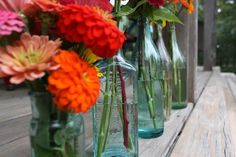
(126, 10)
(59, 137)
(164, 14)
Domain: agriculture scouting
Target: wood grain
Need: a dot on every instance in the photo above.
(160, 147)
(17, 148)
(14, 129)
(201, 82)
(230, 95)
(14, 104)
(207, 132)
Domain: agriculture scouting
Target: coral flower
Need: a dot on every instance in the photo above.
(92, 26)
(156, 3)
(10, 22)
(14, 5)
(48, 5)
(29, 58)
(75, 84)
(103, 4)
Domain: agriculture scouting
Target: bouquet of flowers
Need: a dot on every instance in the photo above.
(56, 48)
(42, 40)
(52, 46)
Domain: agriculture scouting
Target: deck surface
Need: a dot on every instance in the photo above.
(201, 131)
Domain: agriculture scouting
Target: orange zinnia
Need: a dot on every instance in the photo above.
(188, 4)
(75, 84)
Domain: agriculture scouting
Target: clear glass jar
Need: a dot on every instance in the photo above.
(150, 100)
(179, 85)
(167, 71)
(54, 133)
(115, 114)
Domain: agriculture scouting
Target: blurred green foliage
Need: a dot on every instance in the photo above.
(225, 33)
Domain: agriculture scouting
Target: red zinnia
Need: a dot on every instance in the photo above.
(92, 26)
(156, 3)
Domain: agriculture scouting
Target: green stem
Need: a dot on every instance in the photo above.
(150, 98)
(111, 105)
(166, 98)
(103, 120)
(180, 86)
(152, 93)
(175, 75)
(64, 154)
(36, 85)
(61, 151)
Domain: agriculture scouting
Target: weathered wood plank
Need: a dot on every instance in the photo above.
(17, 128)
(232, 84)
(160, 147)
(14, 129)
(172, 129)
(14, 104)
(230, 95)
(18, 148)
(207, 132)
(15, 132)
(201, 81)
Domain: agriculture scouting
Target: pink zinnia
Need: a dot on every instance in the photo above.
(29, 58)
(14, 5)
(156, 3)
(10, 22)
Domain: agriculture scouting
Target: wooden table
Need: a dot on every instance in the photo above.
(201, 130)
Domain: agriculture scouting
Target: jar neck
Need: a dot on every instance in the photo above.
(161, 45)
(176, 53)
(159, 32)
(173, 33)
(44, 109)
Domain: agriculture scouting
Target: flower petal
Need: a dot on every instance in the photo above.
(18, 79)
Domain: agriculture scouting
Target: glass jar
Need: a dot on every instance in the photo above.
(115, 114)
(54, 133)
(179, 85)
(150, 100)
(166, 73)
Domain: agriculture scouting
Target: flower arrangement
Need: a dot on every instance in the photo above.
(55, 49)
(55, 46)
(52, 46)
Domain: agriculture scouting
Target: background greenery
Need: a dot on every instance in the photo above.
(226, 34)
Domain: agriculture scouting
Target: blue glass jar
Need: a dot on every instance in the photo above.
(150, 96)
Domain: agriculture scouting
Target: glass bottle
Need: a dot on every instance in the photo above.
(179, 85)
(54, 133)
(150, 101)
(166, 73)
(115, 114)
